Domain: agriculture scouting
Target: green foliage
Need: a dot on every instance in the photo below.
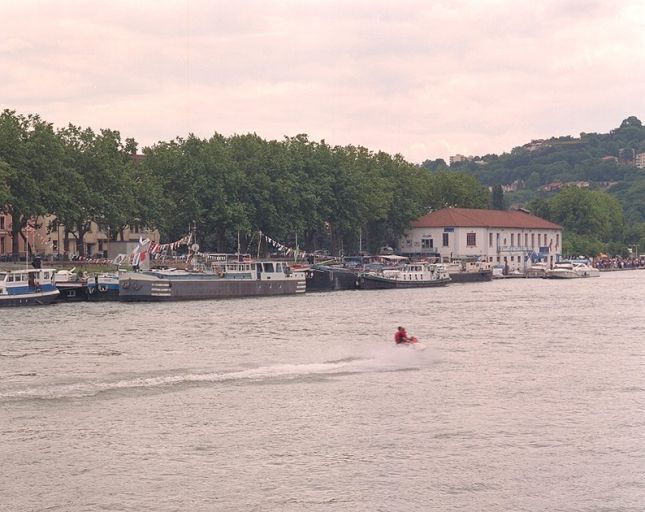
(456, 189)
(497, 198)
(6, 174)
(574, 245)
(341, 198)
(593, 220)
(31, 156)
(602, 160)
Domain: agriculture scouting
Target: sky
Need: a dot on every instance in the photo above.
(423, 78)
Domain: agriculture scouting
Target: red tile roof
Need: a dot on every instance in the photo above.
(473, 218)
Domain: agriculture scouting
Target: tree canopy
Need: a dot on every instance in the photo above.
(343, 198)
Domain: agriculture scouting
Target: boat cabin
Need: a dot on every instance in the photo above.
(263, 270)
(25, 280)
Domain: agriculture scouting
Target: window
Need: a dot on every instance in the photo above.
(539, 239)
(526, 239)
(445, 239)
(497, 240)
(427, 243)
(512, 239)
(1, 221)
(471, 239)
(557, 240)
(498, 259)
(490, 239)
(512, 258)
(532, 239)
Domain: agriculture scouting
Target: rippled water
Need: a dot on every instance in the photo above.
(531, 397)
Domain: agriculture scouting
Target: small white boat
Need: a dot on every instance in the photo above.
(571, 270)
(413, 275)
(28, 287)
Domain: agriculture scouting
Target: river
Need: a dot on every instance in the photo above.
(530, 397)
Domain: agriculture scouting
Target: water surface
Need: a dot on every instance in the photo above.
(530, 397)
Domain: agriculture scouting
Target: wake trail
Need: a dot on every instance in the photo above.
(377, 361)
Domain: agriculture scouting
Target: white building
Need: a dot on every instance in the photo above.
(513, 238)
(639, 160)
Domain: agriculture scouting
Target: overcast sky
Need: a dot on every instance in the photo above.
(424, 78)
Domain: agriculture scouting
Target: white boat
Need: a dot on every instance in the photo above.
(28, 287)
(412, 275)
(537, 269)
(468, 270)
(571, 270)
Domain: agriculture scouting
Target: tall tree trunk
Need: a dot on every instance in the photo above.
(16, 232)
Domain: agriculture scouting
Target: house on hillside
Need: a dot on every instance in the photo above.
(513, 238)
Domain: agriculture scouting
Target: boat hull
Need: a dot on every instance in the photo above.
(72, 293)
(561, 275)
(327, 279)
(102, 292)
(567, 274)
(137, 288)
(373, 282)
(471, 277)
(29, 299)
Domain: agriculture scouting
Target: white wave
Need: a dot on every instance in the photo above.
(379, 358)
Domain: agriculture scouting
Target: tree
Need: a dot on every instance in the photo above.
(592, 219)
(497, 198)
(456, 189)
(31, 154)
(99, 182)
(631, 121)
(6, 174)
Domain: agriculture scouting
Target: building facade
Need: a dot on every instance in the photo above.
(639, 160)
(60, 243)
(514, 239)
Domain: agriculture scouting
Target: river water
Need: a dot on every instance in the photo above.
(530, 397)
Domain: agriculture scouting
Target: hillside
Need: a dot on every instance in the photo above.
(613, 161)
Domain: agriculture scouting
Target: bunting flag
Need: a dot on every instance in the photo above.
(288, 251)
(154, 249)
(37, 237)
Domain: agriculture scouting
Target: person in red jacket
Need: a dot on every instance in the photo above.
(401, 336)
